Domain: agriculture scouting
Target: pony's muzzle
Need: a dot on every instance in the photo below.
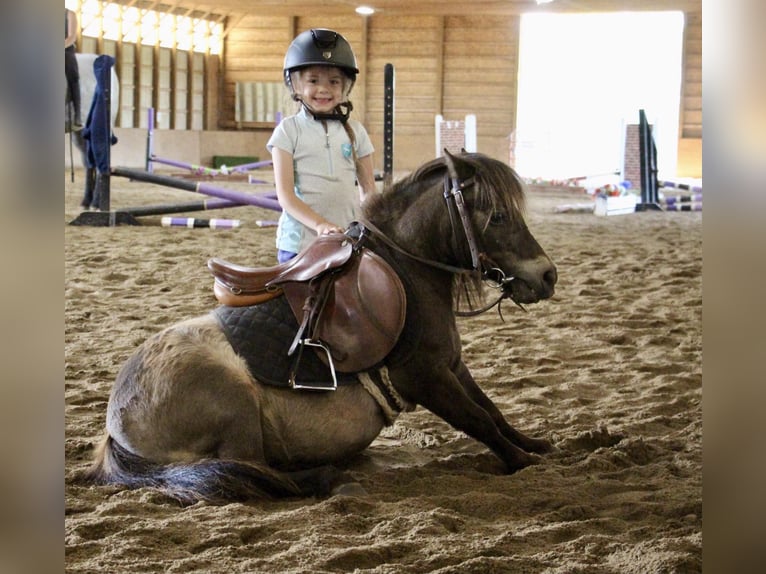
(534, 281)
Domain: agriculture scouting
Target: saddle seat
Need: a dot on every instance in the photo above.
(238, 286)
(348, 301)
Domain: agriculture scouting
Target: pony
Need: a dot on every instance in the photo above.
(187, 415)
(87, 93)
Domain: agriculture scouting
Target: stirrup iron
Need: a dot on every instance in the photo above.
(307, 385)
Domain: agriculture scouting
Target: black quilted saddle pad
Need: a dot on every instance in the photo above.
(262, 334)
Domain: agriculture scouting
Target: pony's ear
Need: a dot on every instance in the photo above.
(449, 160)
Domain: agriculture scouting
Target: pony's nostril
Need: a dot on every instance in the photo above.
(550, 277)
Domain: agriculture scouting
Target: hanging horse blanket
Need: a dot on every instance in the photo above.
(98, 129)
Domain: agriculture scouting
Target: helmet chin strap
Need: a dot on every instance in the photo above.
(340, 112)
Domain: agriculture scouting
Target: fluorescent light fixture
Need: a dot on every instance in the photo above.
(543, 1)
(365, 10)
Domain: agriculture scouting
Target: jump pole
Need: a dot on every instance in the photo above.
(165, 209)
(693, 198)
(204, 170)
(683, 206)
(197, 169)
(684, 186)
(128, 215)
(691, 201)
(262, 200)
(193, 222)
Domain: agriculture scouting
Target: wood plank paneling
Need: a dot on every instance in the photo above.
(691, 103)
(480, 77)
(254, 52)
(449, 65)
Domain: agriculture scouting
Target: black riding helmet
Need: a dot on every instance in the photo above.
(320, 47)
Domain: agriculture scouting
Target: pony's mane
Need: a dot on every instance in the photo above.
(497, 188)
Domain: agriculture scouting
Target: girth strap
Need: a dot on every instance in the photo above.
(378, 384)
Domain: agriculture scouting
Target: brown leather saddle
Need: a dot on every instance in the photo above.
(349, 303)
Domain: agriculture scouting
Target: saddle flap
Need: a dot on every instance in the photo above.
(326, 252)
(362, 314)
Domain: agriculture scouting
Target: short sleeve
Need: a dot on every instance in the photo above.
(284, 136)
(364, 145)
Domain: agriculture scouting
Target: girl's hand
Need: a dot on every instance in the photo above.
(325, 228)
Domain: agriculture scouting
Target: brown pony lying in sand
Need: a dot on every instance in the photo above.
(189, 415)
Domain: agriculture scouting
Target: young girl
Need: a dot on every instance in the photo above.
(319, 153)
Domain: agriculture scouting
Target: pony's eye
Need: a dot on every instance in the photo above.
(498, 218)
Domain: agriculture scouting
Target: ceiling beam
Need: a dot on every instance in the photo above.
(236, 8)
(435, 7)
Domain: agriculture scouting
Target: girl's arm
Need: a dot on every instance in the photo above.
(365, 175)
(284, 178)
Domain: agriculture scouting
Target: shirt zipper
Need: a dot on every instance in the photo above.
(327, 145)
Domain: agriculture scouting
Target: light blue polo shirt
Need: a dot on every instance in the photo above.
(325, 174)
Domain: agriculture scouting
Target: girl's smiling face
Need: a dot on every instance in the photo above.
(321, 87)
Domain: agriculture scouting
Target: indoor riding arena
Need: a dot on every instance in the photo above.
(608, 369)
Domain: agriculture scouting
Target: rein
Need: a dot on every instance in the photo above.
(454, 194)
(392, 244)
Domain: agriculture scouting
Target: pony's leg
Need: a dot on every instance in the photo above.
(443, 394)
(521, 440)
(185, 395)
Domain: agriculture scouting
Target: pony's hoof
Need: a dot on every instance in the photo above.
(349, 489)
(541, 446)
(523, 462)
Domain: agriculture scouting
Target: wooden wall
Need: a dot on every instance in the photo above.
(691, 106)
(690, 140)
(453, 66)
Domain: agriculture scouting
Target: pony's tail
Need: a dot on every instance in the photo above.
(212, 480)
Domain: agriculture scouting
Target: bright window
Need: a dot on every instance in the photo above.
(167, 30)
(148, 27)
(170, 80)
(149, 32)
(583, 77)
(131, 25)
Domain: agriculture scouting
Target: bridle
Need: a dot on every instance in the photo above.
(460, 219)
(491, 274)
